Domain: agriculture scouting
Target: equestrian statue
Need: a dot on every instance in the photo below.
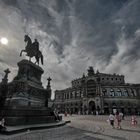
(32, 49)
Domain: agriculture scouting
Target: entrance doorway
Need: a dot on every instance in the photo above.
(92, 108)
(136, 111)
(106, 110)
(122, 110)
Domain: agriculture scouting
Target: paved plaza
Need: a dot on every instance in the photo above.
(59, 133)
(82, 127)
(98, 127)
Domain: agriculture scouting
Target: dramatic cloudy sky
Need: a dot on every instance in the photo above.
(73, 35)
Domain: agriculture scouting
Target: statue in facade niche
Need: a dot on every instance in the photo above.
(32, 49)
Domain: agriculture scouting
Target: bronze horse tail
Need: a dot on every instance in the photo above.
(37, 56)
(41, 59)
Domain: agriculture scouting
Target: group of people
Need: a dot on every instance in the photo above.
(118, 117)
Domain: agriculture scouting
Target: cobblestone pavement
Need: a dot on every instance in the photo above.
(59, 133)
(82, 127)
(98, 127)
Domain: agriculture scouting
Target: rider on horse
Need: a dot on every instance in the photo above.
(36, 45)
(32, 49)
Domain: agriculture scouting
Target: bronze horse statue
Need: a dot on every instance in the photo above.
(32, 50)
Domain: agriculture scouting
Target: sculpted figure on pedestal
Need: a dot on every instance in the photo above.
(32, 49)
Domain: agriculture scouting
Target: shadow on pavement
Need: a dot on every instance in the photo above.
(131, 130)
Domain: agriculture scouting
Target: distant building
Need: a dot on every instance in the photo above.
(99, 93)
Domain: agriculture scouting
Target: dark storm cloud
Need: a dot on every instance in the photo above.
(98, 14)
(74, 34)
(129, 20)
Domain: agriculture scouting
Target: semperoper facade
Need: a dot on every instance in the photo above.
(99, 93)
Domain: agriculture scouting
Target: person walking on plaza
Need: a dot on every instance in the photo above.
(121, 115)
(2, 125)
(118, 120)
(65, 113)
(111, 119)
(133, 121)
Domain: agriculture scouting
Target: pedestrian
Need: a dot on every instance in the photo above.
(118, 120)
(70, 112)
(97, 113)
(121, 115)
(2, 125)
(133, 120)
(65, 114)
(111, 119)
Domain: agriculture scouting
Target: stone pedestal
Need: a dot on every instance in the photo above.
(26, 98)
(27, 89)
(29, 71)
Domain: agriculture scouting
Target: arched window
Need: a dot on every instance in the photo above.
(78, 93)
(106, 108)
(73, 94)
(104, 91)
(125, 92)
(82, 93)
(134, 105)
(114, 105)
(131, 92)
(106, 104)
(67, 95)
(128, 104)
(121, 104)
(119, 93)
(112, 93)
(59, 97)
